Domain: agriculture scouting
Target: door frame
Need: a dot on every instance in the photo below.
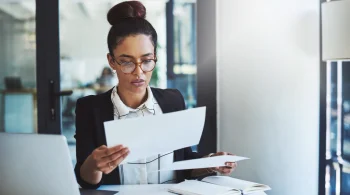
(322, 115)
(48, 66)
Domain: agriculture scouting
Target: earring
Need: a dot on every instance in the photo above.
(114, 71)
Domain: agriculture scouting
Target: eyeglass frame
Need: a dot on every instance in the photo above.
(137, 64)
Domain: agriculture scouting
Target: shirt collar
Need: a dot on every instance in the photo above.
(123, 110)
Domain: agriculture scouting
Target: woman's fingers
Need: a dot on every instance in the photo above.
(103, 151)
(103, 156)
(120, 159)
(231, 164)
(116, 155)
(111, 158)
(112, 150)
(97, 153)
(219, 154)
(216, 169)
(101, 147)
(110, 166)
(223, 169)
(227, 169)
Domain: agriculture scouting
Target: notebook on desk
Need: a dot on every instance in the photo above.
(218, 185)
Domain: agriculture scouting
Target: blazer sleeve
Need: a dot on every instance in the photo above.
(84, 136)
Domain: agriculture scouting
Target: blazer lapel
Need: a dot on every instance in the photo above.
(162, 101)
(103, 112)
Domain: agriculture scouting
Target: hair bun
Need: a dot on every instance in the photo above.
(126, 9)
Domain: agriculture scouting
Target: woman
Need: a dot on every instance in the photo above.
(132, 55)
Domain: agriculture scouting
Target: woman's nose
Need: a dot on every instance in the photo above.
(138, 71)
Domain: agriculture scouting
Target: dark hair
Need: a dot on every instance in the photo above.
(128, 18)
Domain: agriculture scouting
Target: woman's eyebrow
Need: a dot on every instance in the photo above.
(126, 56)
(147, 54)
(129, 56)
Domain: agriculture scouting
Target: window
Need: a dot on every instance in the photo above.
(338, 128)
(18, 102)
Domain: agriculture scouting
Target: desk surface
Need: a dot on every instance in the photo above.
(139, 189)
(144, 189)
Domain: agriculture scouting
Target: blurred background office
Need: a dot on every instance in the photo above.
(255, 64)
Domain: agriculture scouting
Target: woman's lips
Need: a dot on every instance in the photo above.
(138, 82)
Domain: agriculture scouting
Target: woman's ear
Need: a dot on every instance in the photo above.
(111, 61)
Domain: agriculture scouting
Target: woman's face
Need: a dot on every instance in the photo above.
(134, 49)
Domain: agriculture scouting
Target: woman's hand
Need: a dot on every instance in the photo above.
(225, 170)
(102, 160)
(107, 159)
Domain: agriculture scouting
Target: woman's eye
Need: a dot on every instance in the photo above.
(126, 63)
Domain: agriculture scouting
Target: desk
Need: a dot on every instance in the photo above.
(154, 189)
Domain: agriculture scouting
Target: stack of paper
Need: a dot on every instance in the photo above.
(242, 185)
(193, 187)
(218, 185)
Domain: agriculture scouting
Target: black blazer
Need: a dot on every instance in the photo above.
(92, 111)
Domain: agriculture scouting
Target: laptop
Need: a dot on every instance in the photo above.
(34, 164)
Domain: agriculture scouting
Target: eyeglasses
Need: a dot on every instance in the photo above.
(130, 66)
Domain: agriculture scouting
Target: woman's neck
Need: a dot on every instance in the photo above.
(132, 100)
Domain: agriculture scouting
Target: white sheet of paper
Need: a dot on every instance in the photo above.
(201, 188)
(215, 161)
(159, 134)
(247, 186)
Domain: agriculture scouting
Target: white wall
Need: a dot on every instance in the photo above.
(268, 90)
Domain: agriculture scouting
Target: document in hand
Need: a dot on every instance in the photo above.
(218, 185)
(215, 161)
(159, 134)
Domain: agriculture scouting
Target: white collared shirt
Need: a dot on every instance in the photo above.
(137, 173)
